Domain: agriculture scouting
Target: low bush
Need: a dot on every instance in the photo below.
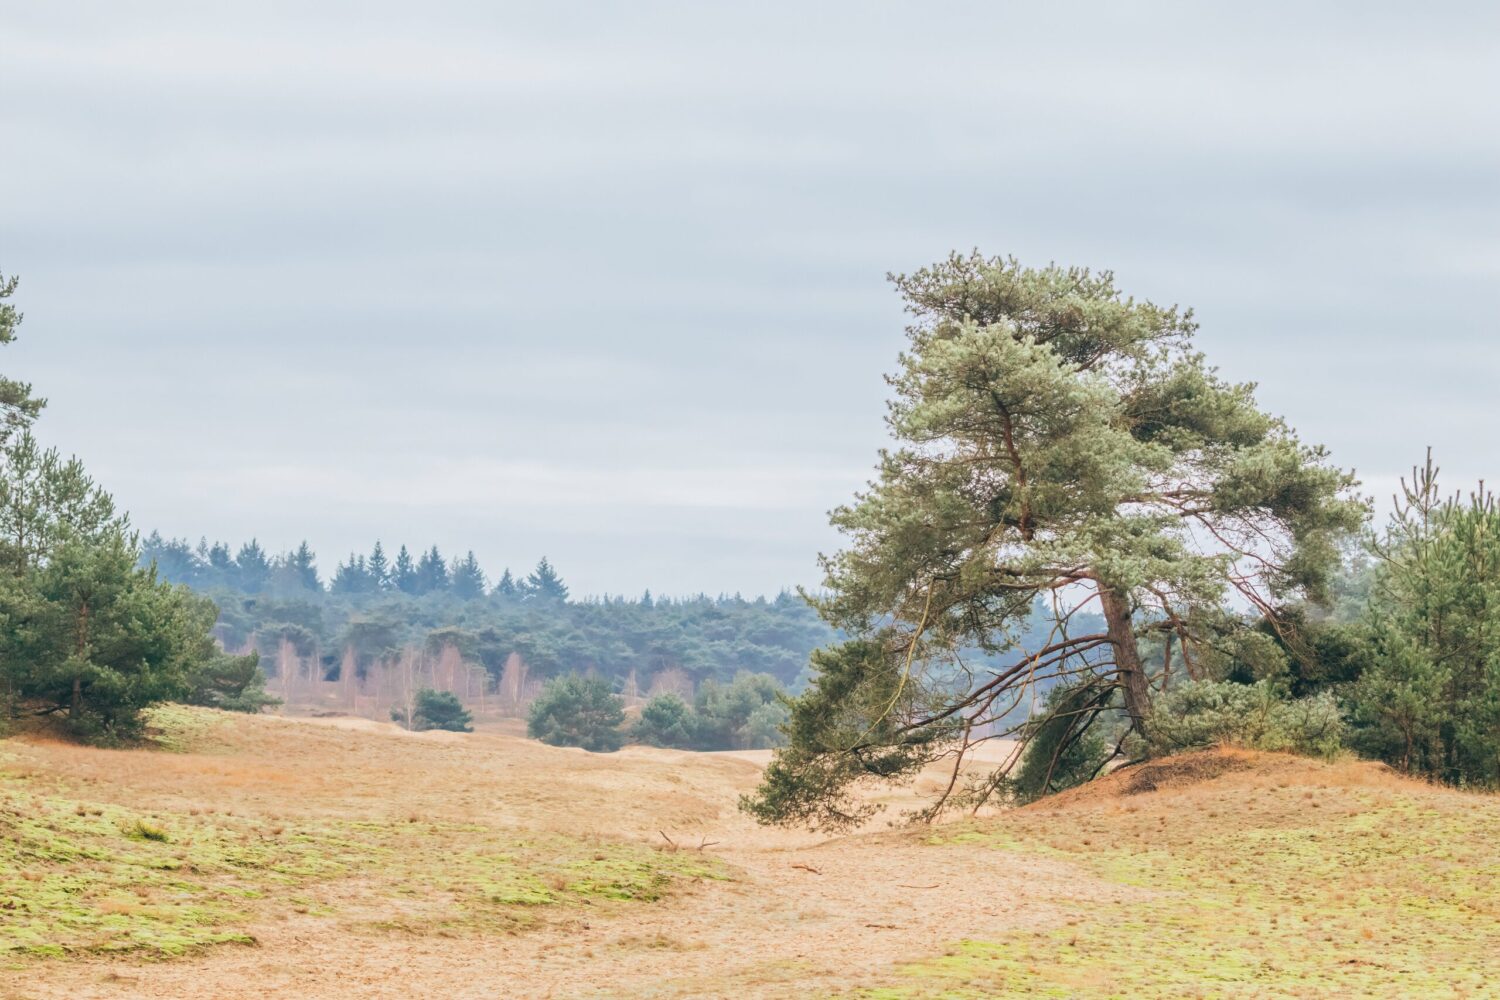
(231, 683)
(435, 710)
(576, 711)
(746, 714)
(1067, 744)
(1255, 716)
(666, 721)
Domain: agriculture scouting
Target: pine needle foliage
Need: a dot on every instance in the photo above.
(1057, 444)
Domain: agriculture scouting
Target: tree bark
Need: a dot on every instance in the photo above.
(1116, 607)
(81, 645)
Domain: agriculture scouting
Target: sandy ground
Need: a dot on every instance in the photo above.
(804, 915)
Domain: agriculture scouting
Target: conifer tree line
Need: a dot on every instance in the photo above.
(376, 606)
(251, 570)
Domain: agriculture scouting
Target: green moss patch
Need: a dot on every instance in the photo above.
(182, 728)
(78, 877)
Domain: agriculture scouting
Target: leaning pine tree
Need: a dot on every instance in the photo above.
(1062, 451)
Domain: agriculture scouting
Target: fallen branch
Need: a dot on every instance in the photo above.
(808, 868)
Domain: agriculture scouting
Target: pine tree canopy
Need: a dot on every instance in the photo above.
(1058, 445)
(18, 407)
(544, 584)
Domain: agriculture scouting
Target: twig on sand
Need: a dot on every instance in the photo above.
(901, 886)
(703, 843)
(808, 868)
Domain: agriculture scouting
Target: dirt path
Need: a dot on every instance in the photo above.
(776, 932)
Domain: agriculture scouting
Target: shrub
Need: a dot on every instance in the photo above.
(142, 830)
(576, 711)
(436, 710)
(1428, 701)
(746, 714)
(232, 683)
(1255, 716)
(94, 638)
(1066, 745)
(666, 721)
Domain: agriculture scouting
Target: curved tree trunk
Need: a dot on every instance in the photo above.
(1116, 606)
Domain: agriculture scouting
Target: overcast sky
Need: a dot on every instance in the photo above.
(605, 282)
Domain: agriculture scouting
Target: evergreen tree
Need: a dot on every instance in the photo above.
(353, 577)
(302, 565)
(378, 568)
(666, 721)
(231, 683)
(174, 559)
(505, 587)
(252, 570)
(404, 572)
(467, 578)
(435, 710)
(44, 499)
(432, 572)
(18, 407)
(1428, 701)
(1053, 437)
(576, 711)
(545, 586)
(87, 630)
(221, 562)
(94, 636)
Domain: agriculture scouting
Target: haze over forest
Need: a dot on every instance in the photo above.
(567, 283)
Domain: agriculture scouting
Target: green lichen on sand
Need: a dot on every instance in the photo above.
(1279, 891)
(80, 877)
(182, 728)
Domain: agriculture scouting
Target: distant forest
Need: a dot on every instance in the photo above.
(383, 626)
(375, 607)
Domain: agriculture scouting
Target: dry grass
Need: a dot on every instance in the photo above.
(1264, 876)
(163, 854)
(368, 862)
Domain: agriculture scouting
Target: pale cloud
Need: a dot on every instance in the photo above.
(605, 282)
